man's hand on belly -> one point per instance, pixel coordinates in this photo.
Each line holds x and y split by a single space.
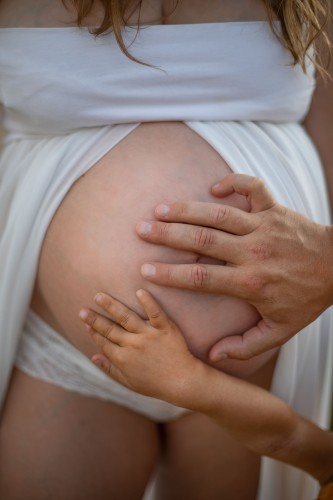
277 260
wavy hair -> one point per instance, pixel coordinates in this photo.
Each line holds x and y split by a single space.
303 22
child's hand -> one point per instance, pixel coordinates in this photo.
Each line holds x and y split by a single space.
148 357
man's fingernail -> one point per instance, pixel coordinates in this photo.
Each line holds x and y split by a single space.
144 228
148 270
98 362
162 210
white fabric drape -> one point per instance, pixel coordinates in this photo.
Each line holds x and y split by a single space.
35 175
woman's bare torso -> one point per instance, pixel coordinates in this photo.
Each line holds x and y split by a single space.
91 244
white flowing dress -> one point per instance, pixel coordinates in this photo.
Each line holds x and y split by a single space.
68 98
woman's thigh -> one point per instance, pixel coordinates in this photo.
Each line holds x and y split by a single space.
202 460
57 444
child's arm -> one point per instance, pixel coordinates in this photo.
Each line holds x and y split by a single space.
152 358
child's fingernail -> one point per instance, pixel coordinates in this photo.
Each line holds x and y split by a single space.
83 314
148 270
139 293
216 186
98 298
98 362
144 228
162 210
220 356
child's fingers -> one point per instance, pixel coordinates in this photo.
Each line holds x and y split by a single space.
103 362
105 327
121 314
156 315
107 365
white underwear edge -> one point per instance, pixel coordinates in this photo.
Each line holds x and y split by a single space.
45 355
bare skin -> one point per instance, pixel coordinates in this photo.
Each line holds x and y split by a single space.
296 255
93 206
87 249
52 446
34 449
232 236
43 13
153 358
91 243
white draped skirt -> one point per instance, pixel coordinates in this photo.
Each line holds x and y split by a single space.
35 175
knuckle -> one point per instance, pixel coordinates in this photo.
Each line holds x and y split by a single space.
269 299
163 231
198 276
169 275
108 331
124 319
92 319
99 339
245 356
107 304
203 238
253 284
180 209
155 314
256 184
220 213
260 250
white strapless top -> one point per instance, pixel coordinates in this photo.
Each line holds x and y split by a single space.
57 80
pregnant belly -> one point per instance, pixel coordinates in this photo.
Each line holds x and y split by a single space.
91 244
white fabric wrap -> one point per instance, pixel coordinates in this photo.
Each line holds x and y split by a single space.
282 155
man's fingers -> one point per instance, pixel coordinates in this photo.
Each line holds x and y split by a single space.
258 339
215 215
199 240
199 277
257 194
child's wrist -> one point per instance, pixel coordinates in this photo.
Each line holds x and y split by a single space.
326 492
193 391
